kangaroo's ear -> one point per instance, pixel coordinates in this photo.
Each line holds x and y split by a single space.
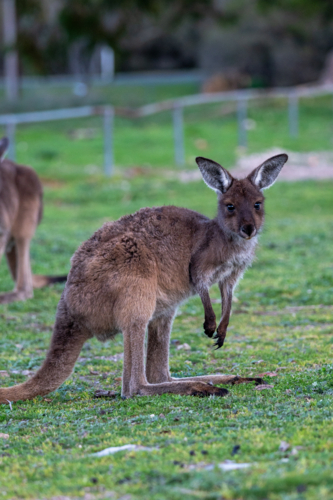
4 143
266 174
215 176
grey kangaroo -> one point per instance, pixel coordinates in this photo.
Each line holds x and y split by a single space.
21 209
132 274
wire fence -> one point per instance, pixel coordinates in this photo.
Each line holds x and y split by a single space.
176 107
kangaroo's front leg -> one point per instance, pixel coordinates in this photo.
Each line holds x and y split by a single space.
199 281
226 289
210 318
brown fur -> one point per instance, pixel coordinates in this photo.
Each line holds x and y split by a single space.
21 209
132 274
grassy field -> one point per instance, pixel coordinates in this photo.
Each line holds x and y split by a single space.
73 149
282 324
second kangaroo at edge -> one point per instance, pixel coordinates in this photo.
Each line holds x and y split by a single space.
21 210
132 274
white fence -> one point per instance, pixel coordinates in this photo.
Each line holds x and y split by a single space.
176 106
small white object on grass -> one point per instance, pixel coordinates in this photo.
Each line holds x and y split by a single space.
231 465
284 446
125 447
264 387
185 346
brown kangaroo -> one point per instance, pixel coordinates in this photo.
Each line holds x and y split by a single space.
132 274
21 209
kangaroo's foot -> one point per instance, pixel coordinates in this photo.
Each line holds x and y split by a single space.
181 388
222 379
100 393
208 390
6 298
247 380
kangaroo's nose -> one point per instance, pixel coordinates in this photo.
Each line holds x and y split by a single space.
247 231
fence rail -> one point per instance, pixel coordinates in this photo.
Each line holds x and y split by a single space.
135 78
176 106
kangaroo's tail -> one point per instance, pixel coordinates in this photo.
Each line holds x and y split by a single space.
39 280
66 343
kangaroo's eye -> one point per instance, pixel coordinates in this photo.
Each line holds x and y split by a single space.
257 205
230 207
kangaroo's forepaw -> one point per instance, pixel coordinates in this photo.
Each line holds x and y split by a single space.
219 341
209 328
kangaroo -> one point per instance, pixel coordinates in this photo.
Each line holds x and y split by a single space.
21 209
132 274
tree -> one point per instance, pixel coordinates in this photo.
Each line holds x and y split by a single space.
128 25
10 56
323 9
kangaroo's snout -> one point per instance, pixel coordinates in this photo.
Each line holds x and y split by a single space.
247 231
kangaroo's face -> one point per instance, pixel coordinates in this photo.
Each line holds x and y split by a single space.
241 202
241 209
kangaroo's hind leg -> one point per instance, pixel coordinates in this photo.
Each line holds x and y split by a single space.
222 379
24 275
157 362
134 374
11 258
8 296
22 231
3 243
135 311
20 265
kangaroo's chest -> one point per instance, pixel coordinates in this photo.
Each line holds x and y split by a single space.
234 265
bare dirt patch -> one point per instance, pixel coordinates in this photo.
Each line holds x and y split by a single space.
300 166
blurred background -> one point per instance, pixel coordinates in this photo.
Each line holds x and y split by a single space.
249 43
268 63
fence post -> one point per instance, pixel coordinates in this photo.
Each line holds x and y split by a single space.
10 132
11 69
178 133
108 118
293 114
241 117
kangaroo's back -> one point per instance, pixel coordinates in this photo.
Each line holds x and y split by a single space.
153 245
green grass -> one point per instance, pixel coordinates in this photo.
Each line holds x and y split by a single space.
282 322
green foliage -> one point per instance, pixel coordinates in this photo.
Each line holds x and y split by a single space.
44 40
303 8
